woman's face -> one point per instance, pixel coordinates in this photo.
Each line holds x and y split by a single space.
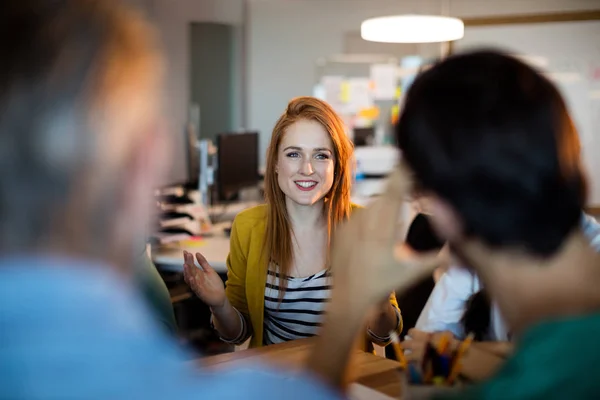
305 162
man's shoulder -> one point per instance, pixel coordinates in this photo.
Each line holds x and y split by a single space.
548 357
107 345
543 337
264 383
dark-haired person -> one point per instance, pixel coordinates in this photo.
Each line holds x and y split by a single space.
489 140
460 304
445 309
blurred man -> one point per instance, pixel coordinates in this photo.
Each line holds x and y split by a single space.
82 146
491 142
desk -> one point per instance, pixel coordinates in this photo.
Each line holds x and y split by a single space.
375 372
227 212
214 248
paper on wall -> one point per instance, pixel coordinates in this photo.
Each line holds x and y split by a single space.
331 88
345 92
385 79
359 94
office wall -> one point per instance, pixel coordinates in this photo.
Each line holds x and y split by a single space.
285 39
172 19
569 51
212 76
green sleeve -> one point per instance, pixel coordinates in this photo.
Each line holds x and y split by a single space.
155 292
472 393
555 360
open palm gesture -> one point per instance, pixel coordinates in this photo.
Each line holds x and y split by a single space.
205 281
365 266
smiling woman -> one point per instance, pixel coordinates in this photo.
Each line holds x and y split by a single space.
278 267
305 163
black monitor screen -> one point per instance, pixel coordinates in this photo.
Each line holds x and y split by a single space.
364 136
237 162
193 162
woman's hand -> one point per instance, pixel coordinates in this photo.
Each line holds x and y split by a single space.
417 344
205 282
383 319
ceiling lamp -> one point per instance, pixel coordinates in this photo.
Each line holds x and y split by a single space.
412 29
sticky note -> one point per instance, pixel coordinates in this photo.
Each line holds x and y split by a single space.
345 92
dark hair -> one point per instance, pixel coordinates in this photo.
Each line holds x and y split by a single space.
493 137
477 318
421 237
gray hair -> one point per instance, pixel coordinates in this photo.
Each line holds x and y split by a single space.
52 58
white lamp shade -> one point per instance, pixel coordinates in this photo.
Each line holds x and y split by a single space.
412 29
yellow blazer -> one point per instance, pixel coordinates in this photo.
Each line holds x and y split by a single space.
247 272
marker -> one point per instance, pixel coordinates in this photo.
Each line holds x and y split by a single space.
413 374
398 350
462 349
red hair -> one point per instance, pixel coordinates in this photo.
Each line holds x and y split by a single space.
278 236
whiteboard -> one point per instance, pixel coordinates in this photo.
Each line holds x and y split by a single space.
569 53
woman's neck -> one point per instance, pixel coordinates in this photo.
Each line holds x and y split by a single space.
305 217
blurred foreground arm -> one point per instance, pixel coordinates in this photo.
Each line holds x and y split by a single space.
365 271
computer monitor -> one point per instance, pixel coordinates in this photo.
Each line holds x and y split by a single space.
237 158
192 158
364 136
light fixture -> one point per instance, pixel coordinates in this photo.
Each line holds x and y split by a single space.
412 29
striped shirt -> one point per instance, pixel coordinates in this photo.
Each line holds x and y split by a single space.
300 312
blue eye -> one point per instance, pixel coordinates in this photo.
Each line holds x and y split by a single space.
322 156
293 155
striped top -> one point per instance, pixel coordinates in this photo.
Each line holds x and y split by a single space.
300 312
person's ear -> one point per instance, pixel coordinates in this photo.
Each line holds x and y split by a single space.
445 220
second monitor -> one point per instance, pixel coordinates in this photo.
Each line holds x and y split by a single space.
237 158
364 136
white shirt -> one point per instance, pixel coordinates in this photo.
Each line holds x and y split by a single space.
447 303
